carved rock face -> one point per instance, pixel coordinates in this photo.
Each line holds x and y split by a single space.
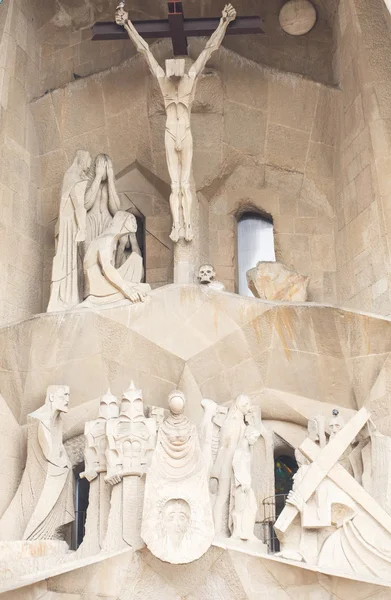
206 274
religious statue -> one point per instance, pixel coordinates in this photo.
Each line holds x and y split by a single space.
43 501
72 229
243 510
130 442
316 430
101 198
103 282
177 524
178 90
95 472
232 431
207 278
335 519
54 508
336 423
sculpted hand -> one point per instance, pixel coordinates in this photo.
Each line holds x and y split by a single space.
295 499
81 236
113 479
89 475
121 16
229 13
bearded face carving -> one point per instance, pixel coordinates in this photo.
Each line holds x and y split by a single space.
206 274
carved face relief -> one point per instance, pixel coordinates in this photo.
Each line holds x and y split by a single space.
335 425
176 517
206 274
244 404
60 399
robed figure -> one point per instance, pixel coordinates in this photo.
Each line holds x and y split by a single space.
177 523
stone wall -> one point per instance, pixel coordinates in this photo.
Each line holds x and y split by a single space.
277 146
67 50
20 231
260 137
363 199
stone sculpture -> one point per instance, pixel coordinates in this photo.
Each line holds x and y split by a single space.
177 524
130 439
43 502
316 430
54 508
101 198
64 291
178 90
275 281
335 424
263 478
232 431
347 527
243 510
95 472
104 283
207 277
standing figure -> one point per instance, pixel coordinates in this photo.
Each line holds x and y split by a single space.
336 423
95 471
54 508
101 199
43 501
177 524
64 290
178 90
232 432
130 440
244 507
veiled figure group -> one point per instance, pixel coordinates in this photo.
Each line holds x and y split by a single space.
89 202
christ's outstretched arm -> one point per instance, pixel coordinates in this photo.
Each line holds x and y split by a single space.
214 43
122 18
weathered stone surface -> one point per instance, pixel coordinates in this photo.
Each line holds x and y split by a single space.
275 281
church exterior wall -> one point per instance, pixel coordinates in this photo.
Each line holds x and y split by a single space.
20 225
261 137
363 158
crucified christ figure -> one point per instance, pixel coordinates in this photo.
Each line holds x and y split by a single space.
178 89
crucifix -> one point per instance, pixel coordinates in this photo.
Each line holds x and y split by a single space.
176 27
178 90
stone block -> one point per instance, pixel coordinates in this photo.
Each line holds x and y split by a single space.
245 83
286 148
326 119
322 252
320 161
275 281
292 102
45 124
79 107
239 121
53 167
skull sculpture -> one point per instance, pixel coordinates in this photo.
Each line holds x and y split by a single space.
206 274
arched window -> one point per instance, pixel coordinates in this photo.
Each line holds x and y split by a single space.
255 243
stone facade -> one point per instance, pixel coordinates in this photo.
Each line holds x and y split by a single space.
286 169
21 235
363 159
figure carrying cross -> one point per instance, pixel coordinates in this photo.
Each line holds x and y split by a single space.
178 90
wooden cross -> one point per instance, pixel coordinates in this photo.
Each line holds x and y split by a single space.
176 27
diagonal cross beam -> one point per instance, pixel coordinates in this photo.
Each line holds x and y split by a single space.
177 28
